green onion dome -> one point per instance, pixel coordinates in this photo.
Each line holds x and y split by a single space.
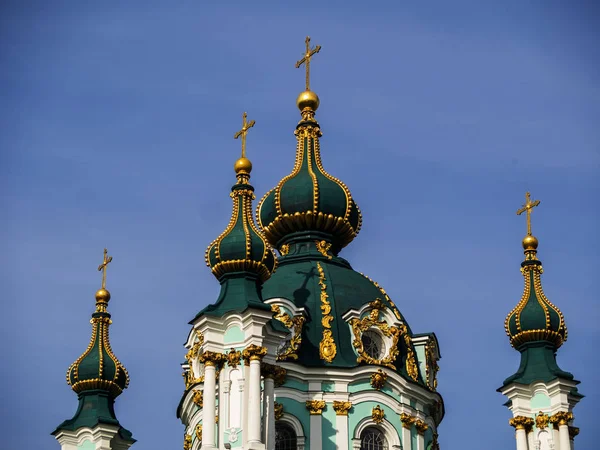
98 368
535 318
309 201
241 247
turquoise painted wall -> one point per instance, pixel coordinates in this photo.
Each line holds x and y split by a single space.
233 335
299 411
295 384
540 401
328 427
365 409
87 445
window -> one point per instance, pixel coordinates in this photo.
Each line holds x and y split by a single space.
285 437
373 344
372 439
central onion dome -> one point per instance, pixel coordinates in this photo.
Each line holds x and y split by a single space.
241 247
98 368
309 202
534 318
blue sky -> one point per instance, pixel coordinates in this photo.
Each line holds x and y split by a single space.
117 125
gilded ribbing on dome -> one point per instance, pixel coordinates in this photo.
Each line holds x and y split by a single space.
241 247
98 367
534 318
309 199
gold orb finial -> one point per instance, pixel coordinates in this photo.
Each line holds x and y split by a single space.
307 100
530 243
102 295
243 166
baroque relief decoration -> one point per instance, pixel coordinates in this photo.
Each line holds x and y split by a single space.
278 408
315 407
198 432
378 379
187 441
198 398
431 366
407 420
541 420
190 377
233 358
341 408
561 418
421 426
521 423
377 414
372 320
327 347
295 325
323 248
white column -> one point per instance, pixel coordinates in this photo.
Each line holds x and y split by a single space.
254 402
208 412
420 441
530 440
341 431
223 406
555 437
563 433
316 432
269 412
407 423
521 437
244 383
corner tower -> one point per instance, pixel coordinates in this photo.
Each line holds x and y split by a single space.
541 395
356 373
98 378
230 370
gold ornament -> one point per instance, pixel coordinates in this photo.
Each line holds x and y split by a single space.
280 374
187 441
284 249
521 423
573 431
308 54
431 365
199 432
315 407
541 420
341 408
323 248
378 414
561 418
378 379
421 426
327 347
254 353
407 420
278 408
233 358
198 398
212 359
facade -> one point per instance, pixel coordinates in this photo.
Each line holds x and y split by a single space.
300 351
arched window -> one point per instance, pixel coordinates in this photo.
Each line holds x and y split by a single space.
372 439
373 344
285 437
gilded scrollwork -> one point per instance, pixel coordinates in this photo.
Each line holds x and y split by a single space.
323 248
198 398
295 324
541 420
327 347
233 358
373 320
187 441
421 426
278 408
377 414
431 366
378 379
407 420
411 361
190 377
284 249
198 432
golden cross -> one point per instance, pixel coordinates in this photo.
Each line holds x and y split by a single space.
243 132
102 267
527 207
306 60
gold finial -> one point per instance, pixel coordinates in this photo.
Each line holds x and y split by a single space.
527 207
102 267
243 166
306 60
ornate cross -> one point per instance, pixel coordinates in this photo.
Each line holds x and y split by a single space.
102 267
243 132
306 60
527 207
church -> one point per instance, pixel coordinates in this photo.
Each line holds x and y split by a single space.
300 351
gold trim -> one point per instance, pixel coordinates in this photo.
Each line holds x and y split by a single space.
315 407
421 426
278 409
295 325
254 353
541 420
187 441
431 365
372 321
327 347
341 408
284 249
407 420
233 358
323 248
521 423
213 359
385 296
198 398
198 432
561 418
378 379
377 414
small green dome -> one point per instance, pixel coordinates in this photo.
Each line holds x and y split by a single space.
535 318
241 247
98 368
309 200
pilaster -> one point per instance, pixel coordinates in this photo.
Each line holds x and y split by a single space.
407 424
341 423
315 408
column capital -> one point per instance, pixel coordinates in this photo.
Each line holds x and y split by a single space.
341 408
212 358
561 418
278 410
422 427
521 423
573 431
407 420
315 407
254 353
268 370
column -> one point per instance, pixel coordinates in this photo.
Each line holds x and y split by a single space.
244 388
223 405
561 421
573 431
315 408
521 424
407 423
254 355
210 360
421 429
268 371
341 424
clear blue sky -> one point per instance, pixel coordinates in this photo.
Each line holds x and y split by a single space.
117 125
